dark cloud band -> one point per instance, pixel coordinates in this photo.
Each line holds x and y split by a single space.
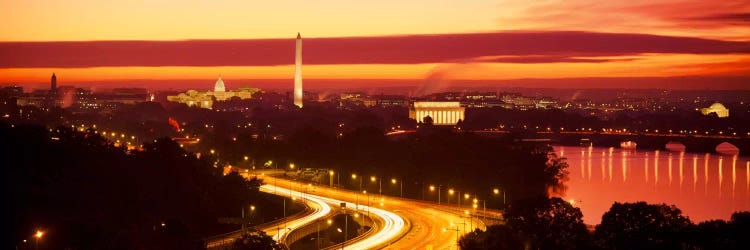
522 47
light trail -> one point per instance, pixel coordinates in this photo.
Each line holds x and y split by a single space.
393 225
321 210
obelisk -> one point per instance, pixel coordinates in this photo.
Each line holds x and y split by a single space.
298 73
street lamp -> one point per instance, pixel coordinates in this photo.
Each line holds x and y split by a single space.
330 178
354 177
317 239
432 188
401 186
470 216
380 184
453 229
450 193
496 191
37 236
484 207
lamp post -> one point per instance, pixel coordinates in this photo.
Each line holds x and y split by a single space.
401 186
317 239
453 229
380 184
330 178
356 204
432 189
450 193
368 205
496 191
484 207
37 236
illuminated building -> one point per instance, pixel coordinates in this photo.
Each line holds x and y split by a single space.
298 72
206 99
717 108
442 113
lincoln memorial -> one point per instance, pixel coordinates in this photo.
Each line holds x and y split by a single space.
442 113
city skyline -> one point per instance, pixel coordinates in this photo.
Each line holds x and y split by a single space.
641 45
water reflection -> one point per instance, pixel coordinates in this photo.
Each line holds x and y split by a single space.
721 173
695 172
682 159
640 183
670 169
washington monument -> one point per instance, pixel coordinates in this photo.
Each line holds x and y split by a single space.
298 73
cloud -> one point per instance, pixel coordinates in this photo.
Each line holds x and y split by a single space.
522 47
709 19
551 59
728 18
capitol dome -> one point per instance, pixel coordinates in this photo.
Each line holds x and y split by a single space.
219 86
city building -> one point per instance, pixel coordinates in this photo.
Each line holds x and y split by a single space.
298 72
442 113
716 108
42 98
206 99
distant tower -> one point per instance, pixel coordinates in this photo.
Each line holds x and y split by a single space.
53 88
298 73
51 100
219 86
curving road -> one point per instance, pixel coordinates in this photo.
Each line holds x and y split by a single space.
280 230
390 226
406 224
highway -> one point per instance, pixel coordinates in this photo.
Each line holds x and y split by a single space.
279 230
406 224
316 208
391 226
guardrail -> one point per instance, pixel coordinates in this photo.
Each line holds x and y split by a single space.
364 235
216 241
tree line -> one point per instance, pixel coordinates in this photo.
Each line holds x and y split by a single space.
551 223
85 193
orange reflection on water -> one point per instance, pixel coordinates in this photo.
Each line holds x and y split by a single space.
721 173
602 166
645 163
670 169
734 173
656 167
583 172
705 172
624 166
695 172
591 149
682 158
609 160
710 203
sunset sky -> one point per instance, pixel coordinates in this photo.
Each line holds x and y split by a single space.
677 44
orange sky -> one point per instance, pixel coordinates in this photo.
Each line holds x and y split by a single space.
83 20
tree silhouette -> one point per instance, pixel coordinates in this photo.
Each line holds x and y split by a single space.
548 223
255 240
427 121
497 237
642 226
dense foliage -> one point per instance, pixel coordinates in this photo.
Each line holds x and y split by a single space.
88 194
551 223
642 226
255 240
